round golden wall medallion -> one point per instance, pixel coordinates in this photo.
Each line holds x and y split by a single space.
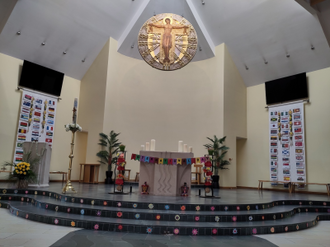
167 41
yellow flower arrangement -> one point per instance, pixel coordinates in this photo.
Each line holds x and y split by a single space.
22 170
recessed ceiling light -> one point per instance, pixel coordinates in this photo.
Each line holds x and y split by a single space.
312 47
246 67
287 55
18 33
203 2
83 60
64 52
43 43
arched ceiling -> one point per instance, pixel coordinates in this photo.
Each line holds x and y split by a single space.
267 39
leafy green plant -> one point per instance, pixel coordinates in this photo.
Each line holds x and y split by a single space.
110 145
219 153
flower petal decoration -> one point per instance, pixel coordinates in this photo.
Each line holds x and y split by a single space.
149 230
177 217
217 218
257 207
196 218
272 229
248 208
158 217
68 210
286 228
81 200
151 206
235 231
56 208
105 203
194 232
26 216
198 208
73 223
98 213
92 202
226 208
214 231
137 216
82 211
274 217
96 226
56 221
167 207
234 218
238 208
212 208
119 214
15 191
118 204
176 231
297 227
135 205
72 199
250 218
254 231
22 199
120 227
183 207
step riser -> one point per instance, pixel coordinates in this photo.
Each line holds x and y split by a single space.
163 229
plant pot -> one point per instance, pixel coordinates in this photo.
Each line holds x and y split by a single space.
122 149
108 179
215 181
22 183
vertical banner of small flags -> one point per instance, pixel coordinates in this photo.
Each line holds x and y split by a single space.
36 121
287 145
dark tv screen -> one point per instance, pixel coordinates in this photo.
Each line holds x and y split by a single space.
41 79
286 89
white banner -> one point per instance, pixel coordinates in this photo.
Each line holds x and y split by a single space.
36 120
287 143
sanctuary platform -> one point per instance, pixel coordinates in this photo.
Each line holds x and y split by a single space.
238 212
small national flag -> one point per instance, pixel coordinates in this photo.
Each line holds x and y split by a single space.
35 133
296 117
28 97
19 152
286 178
37 113
51 102
22 131
285 126
298 138
51 128
273 144
286 171
273 119
18 159
50 115
273 163
273 126
39 101
285 145
273 157
300 171
273 138
21 137
285 159
49 133
50 122
299 157
298 144
36 126
298 130
34 139
36 120
38 107
286 152
284 113
26 103
51 109
299 164
23 124
273 169
296 110
284 120
297 123
24 117
25 110
285 133
273 150
299 151
273 131
49 140
285 139
301 179
19 144
286 164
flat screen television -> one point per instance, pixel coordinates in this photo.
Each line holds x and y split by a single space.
286 89
40 78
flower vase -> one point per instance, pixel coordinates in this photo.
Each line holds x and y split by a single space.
22 183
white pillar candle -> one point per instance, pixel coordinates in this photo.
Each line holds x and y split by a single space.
180 148
185 148
153 145
142 147
147 146
75 105
190 149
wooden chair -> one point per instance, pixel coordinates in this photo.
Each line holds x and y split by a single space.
197 173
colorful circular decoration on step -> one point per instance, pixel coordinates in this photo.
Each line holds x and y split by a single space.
137 216
27 199
316 210
324 203
234 231
306 209
68 210
268 206
46 206
248 208
298 210
22 199
56 208
281 215
82 211
283 203
43 193
135 205
254 231
50 194
198 208
286 228
328 210
226 208
26 216
297 227
262 217
96 226
73 223
274 217
183 207
176 231
313 223
177 217
56 221
81 200
151 206
105 203
212 208
149 230
214 231
98 213
118 204
238 208
196 218
26 192
250 218
36 192
9 198
263 206
158 217
257 207
300 203
310 203
119 214
72 199
120 227
167 207
234 218
17 213
92 202
65 199
272 229
307 225
0 203
318 218
15 191
194 232
217 218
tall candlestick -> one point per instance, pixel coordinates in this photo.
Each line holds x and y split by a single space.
153 145
147 146
142 147
185 148
180 146
190 149
74 116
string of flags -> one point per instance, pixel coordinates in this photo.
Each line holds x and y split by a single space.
164 161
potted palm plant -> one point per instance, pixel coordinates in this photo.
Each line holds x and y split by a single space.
217 158
110 146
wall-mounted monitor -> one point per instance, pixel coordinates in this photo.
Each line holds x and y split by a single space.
41 79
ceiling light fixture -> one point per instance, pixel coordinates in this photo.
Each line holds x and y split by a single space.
132 46
200 48
312 47
246 67
287 55
64 52
18 33
265 61
154 13
83 60
203 2
43 43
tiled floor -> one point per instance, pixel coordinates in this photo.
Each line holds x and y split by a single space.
15 231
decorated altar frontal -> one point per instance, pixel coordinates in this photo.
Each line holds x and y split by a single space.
165 180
